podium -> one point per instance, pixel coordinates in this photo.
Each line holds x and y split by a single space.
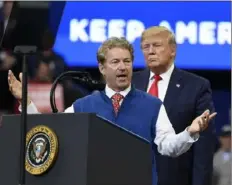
91 151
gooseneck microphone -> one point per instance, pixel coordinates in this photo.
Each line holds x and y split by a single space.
81 77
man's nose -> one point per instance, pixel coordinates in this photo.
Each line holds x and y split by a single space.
151 49
122 65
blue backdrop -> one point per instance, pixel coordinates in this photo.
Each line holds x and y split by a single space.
202 29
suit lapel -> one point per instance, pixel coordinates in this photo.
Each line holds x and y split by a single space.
173 92
144 80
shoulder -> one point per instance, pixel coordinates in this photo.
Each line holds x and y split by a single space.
137 73
87 99
196 79
141 73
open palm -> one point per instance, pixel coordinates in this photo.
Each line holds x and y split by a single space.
15 86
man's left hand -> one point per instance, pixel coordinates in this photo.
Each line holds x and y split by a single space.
201 122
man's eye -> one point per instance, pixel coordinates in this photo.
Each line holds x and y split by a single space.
145 46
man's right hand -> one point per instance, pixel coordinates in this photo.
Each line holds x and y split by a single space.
15 86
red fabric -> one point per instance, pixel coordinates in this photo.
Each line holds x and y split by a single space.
16 107
116 98
154 87
39 93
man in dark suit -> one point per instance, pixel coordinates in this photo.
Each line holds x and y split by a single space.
185 96
8 60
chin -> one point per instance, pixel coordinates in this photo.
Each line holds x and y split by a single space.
123 86
153 64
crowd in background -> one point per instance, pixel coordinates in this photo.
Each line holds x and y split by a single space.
47 65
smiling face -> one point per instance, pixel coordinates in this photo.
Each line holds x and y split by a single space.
116 63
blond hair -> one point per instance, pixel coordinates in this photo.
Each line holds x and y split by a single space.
113 42
158 30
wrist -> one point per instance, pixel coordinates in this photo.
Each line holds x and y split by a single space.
28 101
190 131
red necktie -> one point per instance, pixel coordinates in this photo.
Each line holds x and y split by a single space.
154 87
116 98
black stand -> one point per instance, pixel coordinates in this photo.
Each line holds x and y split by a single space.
24 51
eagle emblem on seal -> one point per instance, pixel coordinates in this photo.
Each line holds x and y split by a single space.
39 150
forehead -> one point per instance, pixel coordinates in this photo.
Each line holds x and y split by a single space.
153 37
117 53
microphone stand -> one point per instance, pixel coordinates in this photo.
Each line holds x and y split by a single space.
57 80
24 51
82 77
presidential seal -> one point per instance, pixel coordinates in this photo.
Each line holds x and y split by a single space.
41 151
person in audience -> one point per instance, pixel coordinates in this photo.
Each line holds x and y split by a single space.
184 96
122 104
8 60
223 158
47 65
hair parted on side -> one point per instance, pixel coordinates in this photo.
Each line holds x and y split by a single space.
156 30
113 42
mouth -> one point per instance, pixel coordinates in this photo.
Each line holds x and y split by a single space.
152 59
122 77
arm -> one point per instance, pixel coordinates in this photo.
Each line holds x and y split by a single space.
15 86
168 142
31 109
205 147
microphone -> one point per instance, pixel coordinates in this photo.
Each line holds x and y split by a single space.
90 83
82 77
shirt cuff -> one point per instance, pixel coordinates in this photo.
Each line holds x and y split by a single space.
191 138
31 108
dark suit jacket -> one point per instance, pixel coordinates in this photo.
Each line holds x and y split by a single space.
6 99
183 104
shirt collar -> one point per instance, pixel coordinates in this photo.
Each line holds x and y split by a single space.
165 76
110 92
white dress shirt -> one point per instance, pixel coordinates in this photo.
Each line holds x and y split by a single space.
168 142
162 84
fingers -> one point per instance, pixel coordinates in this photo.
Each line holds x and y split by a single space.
201 123
12 80
205 113
212 115
204 119
11 76
21 77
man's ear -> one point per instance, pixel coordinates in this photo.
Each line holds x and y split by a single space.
101 69
173 50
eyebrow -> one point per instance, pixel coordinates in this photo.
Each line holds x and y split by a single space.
120 59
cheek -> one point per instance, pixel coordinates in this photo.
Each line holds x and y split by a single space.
130 68
145 55
161 52
110 73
